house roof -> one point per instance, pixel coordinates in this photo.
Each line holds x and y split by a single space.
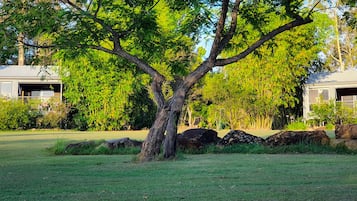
29 72
348 76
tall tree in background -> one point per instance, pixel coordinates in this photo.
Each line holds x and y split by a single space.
16 32
342 43
117 27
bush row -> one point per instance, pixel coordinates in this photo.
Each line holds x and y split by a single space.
16 114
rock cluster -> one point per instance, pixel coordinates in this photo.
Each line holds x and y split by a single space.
239 137
199 137
122 143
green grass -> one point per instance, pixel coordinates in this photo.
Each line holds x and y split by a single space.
29 172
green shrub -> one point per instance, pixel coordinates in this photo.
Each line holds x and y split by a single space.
58 148
297 125
328 113
54 117
330 126
14 115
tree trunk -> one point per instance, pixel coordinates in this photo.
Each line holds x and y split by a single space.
21 50
338 45
152 144
171 136
171 130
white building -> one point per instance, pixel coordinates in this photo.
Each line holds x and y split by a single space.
336 86
30 82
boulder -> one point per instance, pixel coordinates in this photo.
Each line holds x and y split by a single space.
297 137
239 137
350 144
79 145
197 138
348 131
122 143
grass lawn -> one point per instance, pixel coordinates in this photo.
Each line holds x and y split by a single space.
29 172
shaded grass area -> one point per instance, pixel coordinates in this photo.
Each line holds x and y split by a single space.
197 177
29 172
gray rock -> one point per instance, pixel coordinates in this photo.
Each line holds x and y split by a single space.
348 131
197 138
122 143
239 137
297 137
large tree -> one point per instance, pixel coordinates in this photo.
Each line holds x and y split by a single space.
115 27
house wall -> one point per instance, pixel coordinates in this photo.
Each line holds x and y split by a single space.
30 75
320 91
332 95
15 83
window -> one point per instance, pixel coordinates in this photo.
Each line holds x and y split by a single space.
5 89
348 101
318 95
313 96
43 95
324 95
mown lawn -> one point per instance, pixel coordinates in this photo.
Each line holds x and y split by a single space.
29 172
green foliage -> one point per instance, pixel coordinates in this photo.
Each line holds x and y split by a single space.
14 114
296 125
330 127
250 92
330 112
58 148
106 98
55 117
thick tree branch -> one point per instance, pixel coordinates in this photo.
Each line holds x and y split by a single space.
262 40
232 29
219 31
157 78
